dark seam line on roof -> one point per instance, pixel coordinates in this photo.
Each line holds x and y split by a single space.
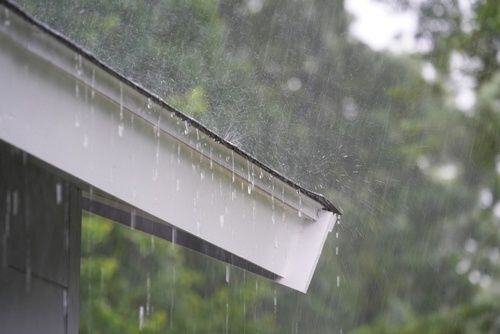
327 204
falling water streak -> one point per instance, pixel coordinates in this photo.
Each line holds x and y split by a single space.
174 236
15 202
92 84
6 21
336 251
228 273
338 281
28 270
227 318
121 128
157 160
300 203
149 103
133 216
7 229
275 302
141 318
121 101
59 193
172 298
65 302
85 140
221 221
210 157
336 235
232 161
148 294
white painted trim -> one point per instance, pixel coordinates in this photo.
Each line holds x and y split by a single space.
65 110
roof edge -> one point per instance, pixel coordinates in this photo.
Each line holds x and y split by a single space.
327 204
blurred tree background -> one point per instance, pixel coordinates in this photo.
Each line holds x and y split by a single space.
416 175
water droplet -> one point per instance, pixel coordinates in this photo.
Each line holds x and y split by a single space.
249 188
78 65
177 185
336 235
221 220
148 294
141 317
15 202
133 218
174 236
6 21
121 101
300 205
65 301
276 244
186 127
59 193
149 103
338 281
228 273
275 302
120 129
85 141
336 251
232 162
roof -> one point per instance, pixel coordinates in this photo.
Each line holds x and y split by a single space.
327 204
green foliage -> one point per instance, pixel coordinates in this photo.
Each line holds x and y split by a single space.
416 252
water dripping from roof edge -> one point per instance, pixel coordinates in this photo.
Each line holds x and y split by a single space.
141 318
59 193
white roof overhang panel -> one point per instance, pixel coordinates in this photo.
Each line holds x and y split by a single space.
73 114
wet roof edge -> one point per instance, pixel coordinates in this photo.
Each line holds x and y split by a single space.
327 204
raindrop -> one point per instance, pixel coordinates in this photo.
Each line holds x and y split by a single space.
338 281
6 21
148 294
85 141
228 273
227 317
174 236
59 193
133 218
336 235
336 251
276 244
15 202
294 84
177 185
28 271
221 220
232 160
186 128
77 90
300 203
275 302
92 84
78 65
121 101
120 129
249 189
149 104
198 226
65 301
141 317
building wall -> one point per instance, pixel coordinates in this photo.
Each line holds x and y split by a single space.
40 220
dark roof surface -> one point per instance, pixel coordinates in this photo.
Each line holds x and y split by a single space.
327 204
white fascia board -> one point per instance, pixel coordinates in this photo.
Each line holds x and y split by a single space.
67 111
